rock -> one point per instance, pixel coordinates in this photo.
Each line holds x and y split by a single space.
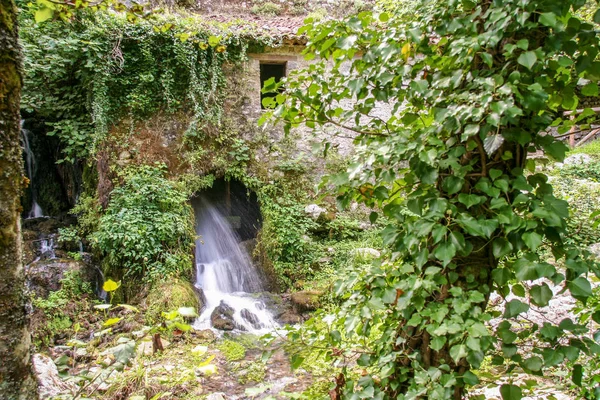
216 396
222 317
248 246
577 159
199 350
367 253
250 317
595 249
306 300
144 348
49 382
206 335
289 317
44 276
314 211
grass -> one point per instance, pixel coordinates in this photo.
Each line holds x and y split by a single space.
592 149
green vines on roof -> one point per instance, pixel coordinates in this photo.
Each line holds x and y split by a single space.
84 76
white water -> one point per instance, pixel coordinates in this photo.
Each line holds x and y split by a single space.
225 273
36 210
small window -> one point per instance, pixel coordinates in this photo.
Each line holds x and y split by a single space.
268 71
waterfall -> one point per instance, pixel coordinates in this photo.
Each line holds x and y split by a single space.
36 210
225 274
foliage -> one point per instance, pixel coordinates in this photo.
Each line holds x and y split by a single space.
592 149
62 307
147 230
589 171
170 295
233 351
470 86
267 8
84 75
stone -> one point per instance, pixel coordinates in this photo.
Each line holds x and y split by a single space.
306 300
199 350
367 253
206 335
216 396
289 317
222 317
251 318
578 159
44 276
50 383
144 348
314 211
595 249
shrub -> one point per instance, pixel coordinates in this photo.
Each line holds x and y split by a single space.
266 9
147 230
233 351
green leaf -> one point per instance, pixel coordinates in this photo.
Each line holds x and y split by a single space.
111 321
541 295
532 240
591 89
548 19
43 14
580 288
452 184
577 374
511 392
458 351
527 59
533 364
501 247
296 361
492 143
514 308
445 252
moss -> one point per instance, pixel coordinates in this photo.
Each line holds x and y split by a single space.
169 296
307 300
233 351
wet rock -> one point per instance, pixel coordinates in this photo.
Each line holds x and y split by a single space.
251 318
222 317
44 276
49 382
306 300
248 246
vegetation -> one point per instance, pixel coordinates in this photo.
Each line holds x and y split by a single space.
470 86
147 229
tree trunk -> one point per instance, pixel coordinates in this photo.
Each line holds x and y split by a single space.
16 377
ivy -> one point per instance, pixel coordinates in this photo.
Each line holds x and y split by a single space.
84 76
468 88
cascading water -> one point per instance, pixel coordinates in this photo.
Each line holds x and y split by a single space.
36 210
225 274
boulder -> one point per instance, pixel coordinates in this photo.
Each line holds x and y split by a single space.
289 317
50 383
306 300
314 211
222 317
251 318
44 276
577 159
206 335
172 295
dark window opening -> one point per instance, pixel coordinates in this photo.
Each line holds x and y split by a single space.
268 71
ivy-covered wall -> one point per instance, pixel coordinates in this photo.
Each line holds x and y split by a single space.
181 94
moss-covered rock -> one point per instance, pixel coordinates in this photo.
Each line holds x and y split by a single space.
169 296
306 300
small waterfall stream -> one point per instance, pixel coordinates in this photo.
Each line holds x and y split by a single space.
36 210
225 273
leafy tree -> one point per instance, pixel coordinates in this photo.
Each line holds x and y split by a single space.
471 88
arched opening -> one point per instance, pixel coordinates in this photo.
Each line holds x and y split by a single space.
227 217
